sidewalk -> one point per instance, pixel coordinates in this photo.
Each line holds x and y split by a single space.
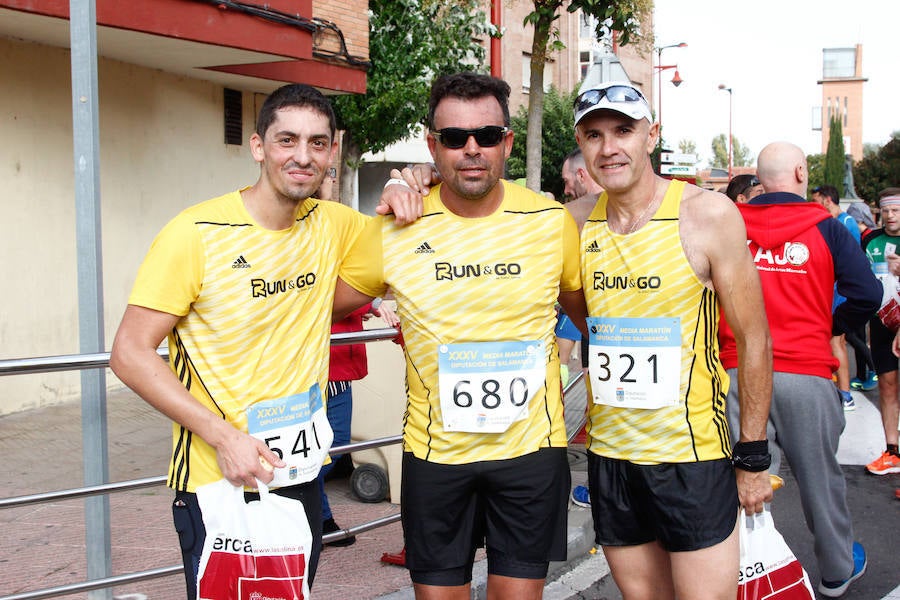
41 452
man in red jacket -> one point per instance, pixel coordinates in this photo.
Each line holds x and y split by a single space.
800 253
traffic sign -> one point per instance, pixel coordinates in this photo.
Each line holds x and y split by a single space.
678 170
677 158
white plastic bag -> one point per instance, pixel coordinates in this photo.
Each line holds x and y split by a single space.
889 313
258 549
769 570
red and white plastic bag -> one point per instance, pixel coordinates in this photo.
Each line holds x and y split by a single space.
768 569
257 549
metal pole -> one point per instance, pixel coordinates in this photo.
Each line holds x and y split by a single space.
730 139
85 138
659 91
496 49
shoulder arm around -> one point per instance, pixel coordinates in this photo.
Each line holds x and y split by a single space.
571 275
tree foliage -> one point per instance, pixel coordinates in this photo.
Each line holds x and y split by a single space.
815 166
740 154
834 154
622 16
556 140
410 42
879 170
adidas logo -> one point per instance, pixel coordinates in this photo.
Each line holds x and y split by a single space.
593 247
425 248
240 263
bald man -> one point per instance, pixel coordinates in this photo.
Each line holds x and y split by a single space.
800 253
581 190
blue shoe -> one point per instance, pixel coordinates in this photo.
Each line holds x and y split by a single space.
870 383
847 401
856 383
581 496
836 589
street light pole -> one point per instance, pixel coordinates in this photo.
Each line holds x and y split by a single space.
722 86
659 69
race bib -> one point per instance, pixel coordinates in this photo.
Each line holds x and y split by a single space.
635 362
486 386
296 429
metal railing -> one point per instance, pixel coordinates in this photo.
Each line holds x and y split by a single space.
74 362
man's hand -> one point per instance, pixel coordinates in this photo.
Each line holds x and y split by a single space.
405 201
754 489
893 262
243 459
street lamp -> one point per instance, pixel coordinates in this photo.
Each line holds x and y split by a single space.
722 86
675 80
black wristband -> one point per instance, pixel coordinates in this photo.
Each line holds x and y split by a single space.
752 456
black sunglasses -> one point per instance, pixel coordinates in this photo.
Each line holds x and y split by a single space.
614 93
754 181
455 137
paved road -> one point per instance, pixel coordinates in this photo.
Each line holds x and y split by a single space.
876 520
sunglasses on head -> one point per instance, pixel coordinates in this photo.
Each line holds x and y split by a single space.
754 181
455 137
614 93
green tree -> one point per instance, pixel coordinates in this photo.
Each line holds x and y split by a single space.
410 41
622 16
834 154
687 146
557 117
740 154
878 171
815 165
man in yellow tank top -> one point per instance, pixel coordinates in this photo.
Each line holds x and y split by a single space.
659 260
242 286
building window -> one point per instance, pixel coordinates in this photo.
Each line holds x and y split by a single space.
234 123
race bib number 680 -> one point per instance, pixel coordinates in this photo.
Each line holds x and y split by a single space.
486 386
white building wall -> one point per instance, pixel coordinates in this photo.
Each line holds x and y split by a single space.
161 149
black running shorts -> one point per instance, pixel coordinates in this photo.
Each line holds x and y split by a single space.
880 340
685 506
516 507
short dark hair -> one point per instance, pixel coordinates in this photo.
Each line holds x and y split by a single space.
294 94
828 191
468 86
740 184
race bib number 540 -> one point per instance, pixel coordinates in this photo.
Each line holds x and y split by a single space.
635 362
486 386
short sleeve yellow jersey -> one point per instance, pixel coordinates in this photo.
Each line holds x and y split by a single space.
646 275
255 308
467 280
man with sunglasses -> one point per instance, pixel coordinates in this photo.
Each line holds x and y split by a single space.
743 188
476 280
660 259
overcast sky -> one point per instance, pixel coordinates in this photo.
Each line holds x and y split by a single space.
770 53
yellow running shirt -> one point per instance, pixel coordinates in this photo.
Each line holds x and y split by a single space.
463 285
657 392
256 311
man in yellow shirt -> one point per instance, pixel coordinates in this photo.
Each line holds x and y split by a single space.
242 286
476 280
659 260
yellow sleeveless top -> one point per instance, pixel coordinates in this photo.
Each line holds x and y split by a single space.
644 275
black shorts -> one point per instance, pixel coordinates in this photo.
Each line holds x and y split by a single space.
192 532
880 340
686 506
517 507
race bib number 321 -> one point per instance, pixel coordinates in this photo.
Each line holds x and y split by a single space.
486 386
635 362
